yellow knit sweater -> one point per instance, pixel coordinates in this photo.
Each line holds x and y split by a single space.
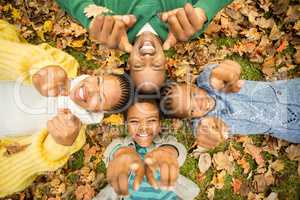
21 60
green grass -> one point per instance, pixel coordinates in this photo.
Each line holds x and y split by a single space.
190 168
101 168
76 160
250 70
226 41
81 58
73 178
226 192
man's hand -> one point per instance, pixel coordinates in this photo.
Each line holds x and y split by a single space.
125 160
51 81
64 128
183 23
226 77
111 31
163 159
211 131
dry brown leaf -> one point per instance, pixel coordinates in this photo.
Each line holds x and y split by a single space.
210 193
292 14
204 162
85 192
245 165
255 152
297 26
224 22
268 66
272 196
278 165
269 177
252 34
14 148
297 57
76 29
265 23
244 189
222 161
236 184
275 33
218 179
284 43
233 152
260 183
293 152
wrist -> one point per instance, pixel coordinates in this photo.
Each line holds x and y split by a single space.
169 149
124 151
201 14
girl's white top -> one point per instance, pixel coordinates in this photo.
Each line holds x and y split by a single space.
24 111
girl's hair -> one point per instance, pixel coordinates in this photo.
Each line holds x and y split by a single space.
166 99
127 91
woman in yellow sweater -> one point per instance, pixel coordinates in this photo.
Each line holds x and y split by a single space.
34 85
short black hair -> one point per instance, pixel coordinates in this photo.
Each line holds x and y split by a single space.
166 100
142 100
127 91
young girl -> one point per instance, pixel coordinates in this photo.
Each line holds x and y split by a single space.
133 162
34 86
222 104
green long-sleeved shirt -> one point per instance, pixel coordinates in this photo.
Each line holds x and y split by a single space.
145 10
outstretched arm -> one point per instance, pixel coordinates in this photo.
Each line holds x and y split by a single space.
211 8
48 151
77 9
191 20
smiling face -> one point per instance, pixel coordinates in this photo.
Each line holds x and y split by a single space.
186 101
147 63
98 93
143 122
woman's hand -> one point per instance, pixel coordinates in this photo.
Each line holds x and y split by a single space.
51 81
125 160
226 77
164 159
111 31
183 23
211 131
64 128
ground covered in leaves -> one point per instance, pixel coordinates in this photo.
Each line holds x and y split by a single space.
262 35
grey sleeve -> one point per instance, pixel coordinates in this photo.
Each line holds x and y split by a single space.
111 149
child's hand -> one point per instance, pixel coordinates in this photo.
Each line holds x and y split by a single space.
226 77
163 159
211 131
125 160
51 81
111 31
64 128
183 23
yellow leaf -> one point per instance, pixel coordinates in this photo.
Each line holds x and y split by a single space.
16 14
40 33
89 55
48 26
7 7
218 180
278 165
115 119
77 43
297 25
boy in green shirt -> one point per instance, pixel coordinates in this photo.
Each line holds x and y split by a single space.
153 25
